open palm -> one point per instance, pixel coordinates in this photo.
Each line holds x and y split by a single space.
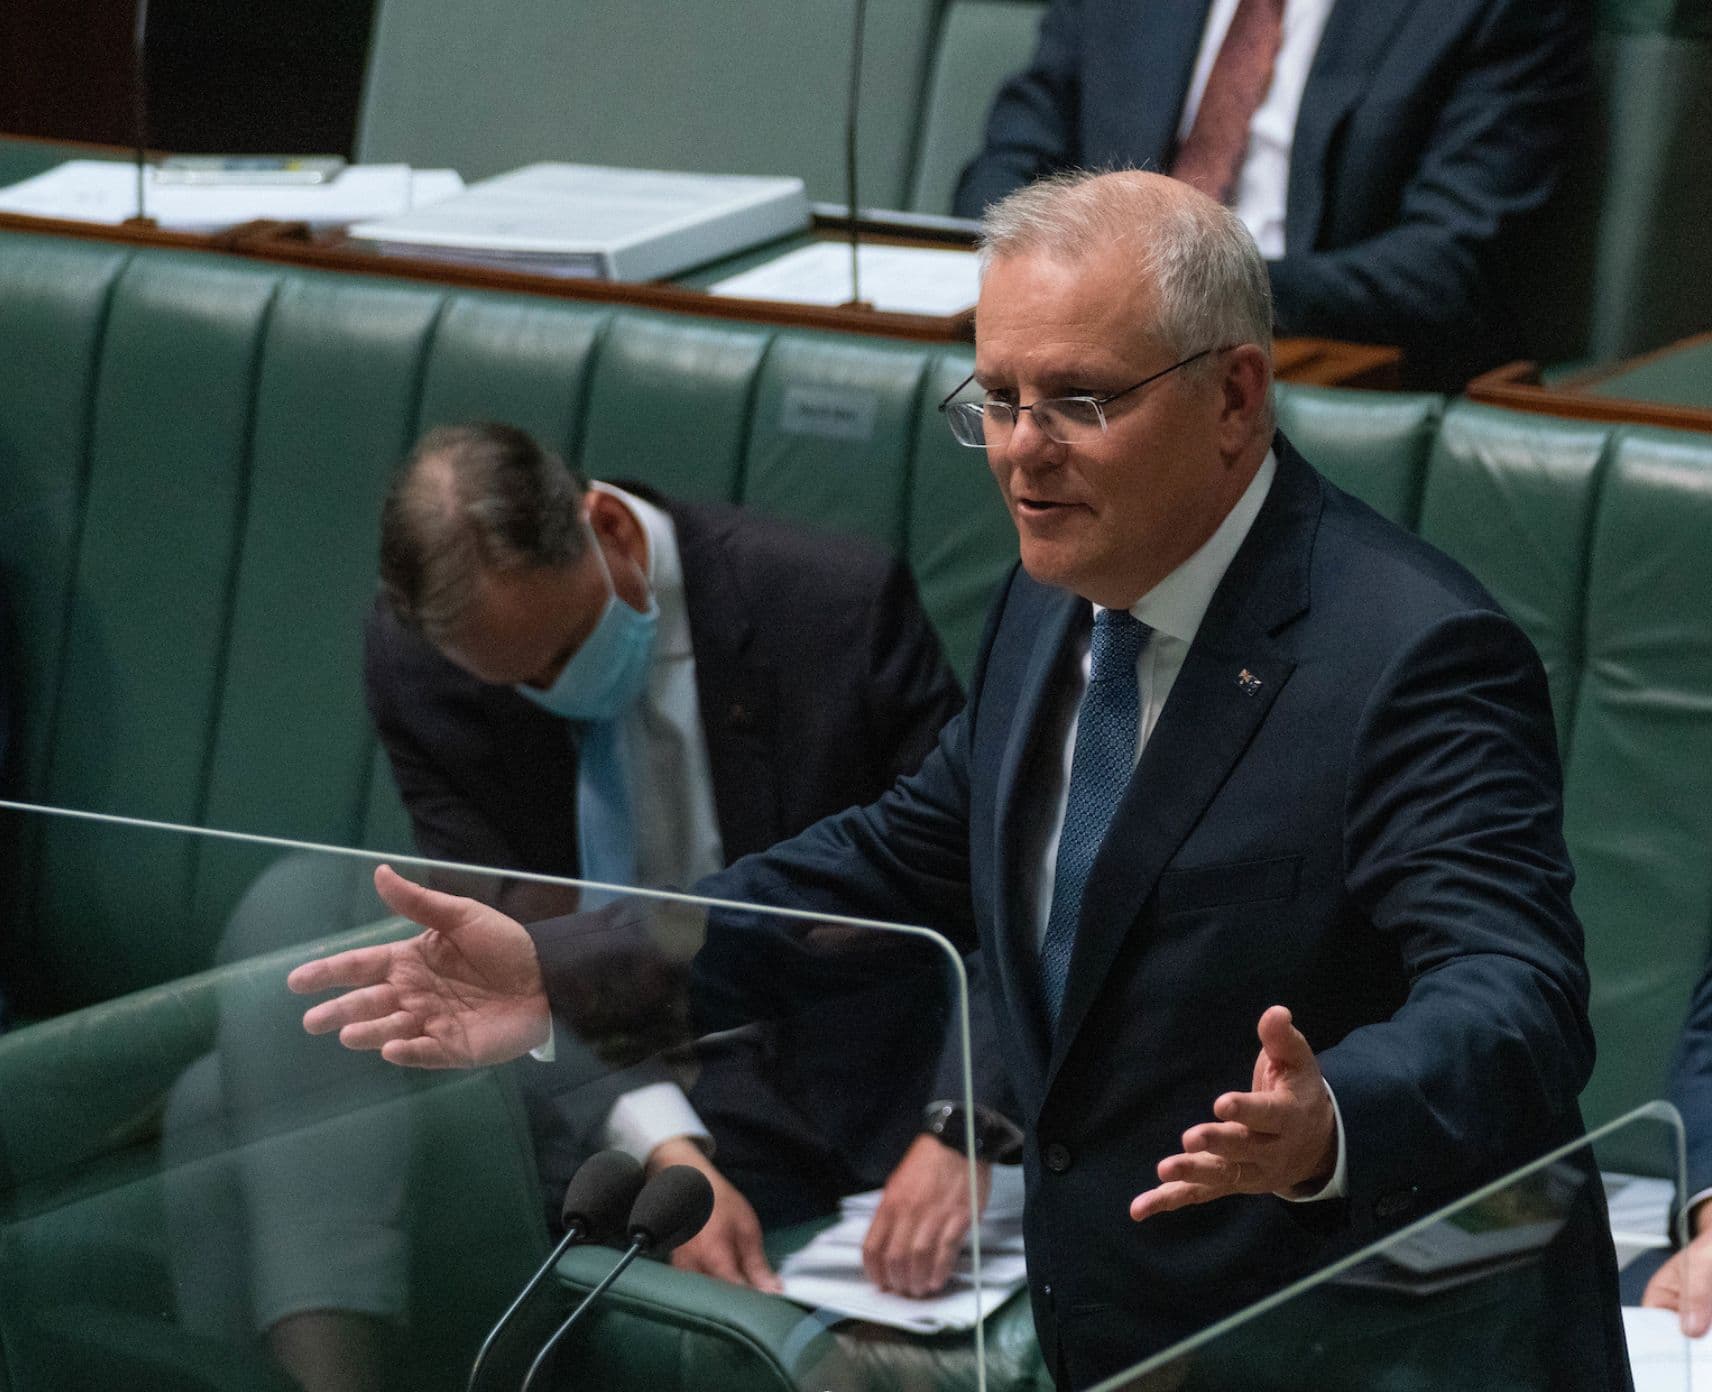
465 992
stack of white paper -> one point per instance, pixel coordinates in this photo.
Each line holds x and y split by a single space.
106 191
622 224
1661 1359
827 1274
899 280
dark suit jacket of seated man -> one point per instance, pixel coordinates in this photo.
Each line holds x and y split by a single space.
1430 139
819 681
1273 902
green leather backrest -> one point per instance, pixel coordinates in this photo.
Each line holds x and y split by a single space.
145 636
833 433
960 540
734 86
334 400
1512 497
1653 270
1372 444
1639 778
671 403
980 44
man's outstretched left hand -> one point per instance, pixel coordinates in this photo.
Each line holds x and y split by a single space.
1278 1138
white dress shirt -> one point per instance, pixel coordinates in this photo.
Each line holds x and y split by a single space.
1173 609
1263 182
671 792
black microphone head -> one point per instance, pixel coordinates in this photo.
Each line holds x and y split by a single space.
671 1209
599 1197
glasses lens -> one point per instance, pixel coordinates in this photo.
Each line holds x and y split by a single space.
1070 420
966 420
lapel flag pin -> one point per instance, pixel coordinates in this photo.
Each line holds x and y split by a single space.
1248 682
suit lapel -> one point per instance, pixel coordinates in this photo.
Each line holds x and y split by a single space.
1234 671
735 692
1066 617
1163 38
1356 37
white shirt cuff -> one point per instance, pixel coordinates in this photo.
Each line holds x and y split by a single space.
641 1120
545 1053
1338 1185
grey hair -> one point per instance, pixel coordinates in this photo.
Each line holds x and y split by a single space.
471 500
1212 282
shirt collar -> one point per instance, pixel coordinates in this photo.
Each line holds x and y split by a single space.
1178 603
663 568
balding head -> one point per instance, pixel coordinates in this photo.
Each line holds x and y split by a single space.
1211 283
473 501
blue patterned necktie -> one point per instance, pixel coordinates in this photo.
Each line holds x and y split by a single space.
1106 733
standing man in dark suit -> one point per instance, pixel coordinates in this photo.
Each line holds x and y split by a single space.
590 680
1391 157
1254 811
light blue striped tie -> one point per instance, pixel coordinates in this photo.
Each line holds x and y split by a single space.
1100 768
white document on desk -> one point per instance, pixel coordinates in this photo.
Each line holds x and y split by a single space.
105 191
1660 1357
895 279
827 1274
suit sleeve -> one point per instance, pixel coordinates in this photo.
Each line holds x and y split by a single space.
1691 1084
901 860
1032 128
1433 279
1453 847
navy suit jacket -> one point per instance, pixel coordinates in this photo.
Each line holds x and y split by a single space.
1691 1084
1369 834
820 680
1432 134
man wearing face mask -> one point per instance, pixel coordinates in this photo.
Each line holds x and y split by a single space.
594 681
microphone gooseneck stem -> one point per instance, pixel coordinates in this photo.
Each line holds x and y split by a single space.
140 100
589 1299
571 1235
850 144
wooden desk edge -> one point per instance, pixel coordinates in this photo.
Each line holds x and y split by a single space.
1516 387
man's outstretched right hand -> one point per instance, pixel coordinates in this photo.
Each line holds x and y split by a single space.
464 993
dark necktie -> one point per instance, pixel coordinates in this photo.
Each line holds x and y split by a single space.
1107 729
1211 154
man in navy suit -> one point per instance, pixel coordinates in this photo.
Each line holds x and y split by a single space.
1254 809
1392 157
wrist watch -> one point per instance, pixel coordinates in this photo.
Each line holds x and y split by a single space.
997 1137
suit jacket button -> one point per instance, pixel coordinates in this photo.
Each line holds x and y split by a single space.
1057 1158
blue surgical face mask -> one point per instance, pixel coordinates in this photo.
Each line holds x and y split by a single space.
603 677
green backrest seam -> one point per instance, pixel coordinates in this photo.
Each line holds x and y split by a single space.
234 565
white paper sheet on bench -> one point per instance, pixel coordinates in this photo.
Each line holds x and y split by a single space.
827 1273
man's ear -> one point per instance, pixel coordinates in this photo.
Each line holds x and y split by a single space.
615 525
1245 385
